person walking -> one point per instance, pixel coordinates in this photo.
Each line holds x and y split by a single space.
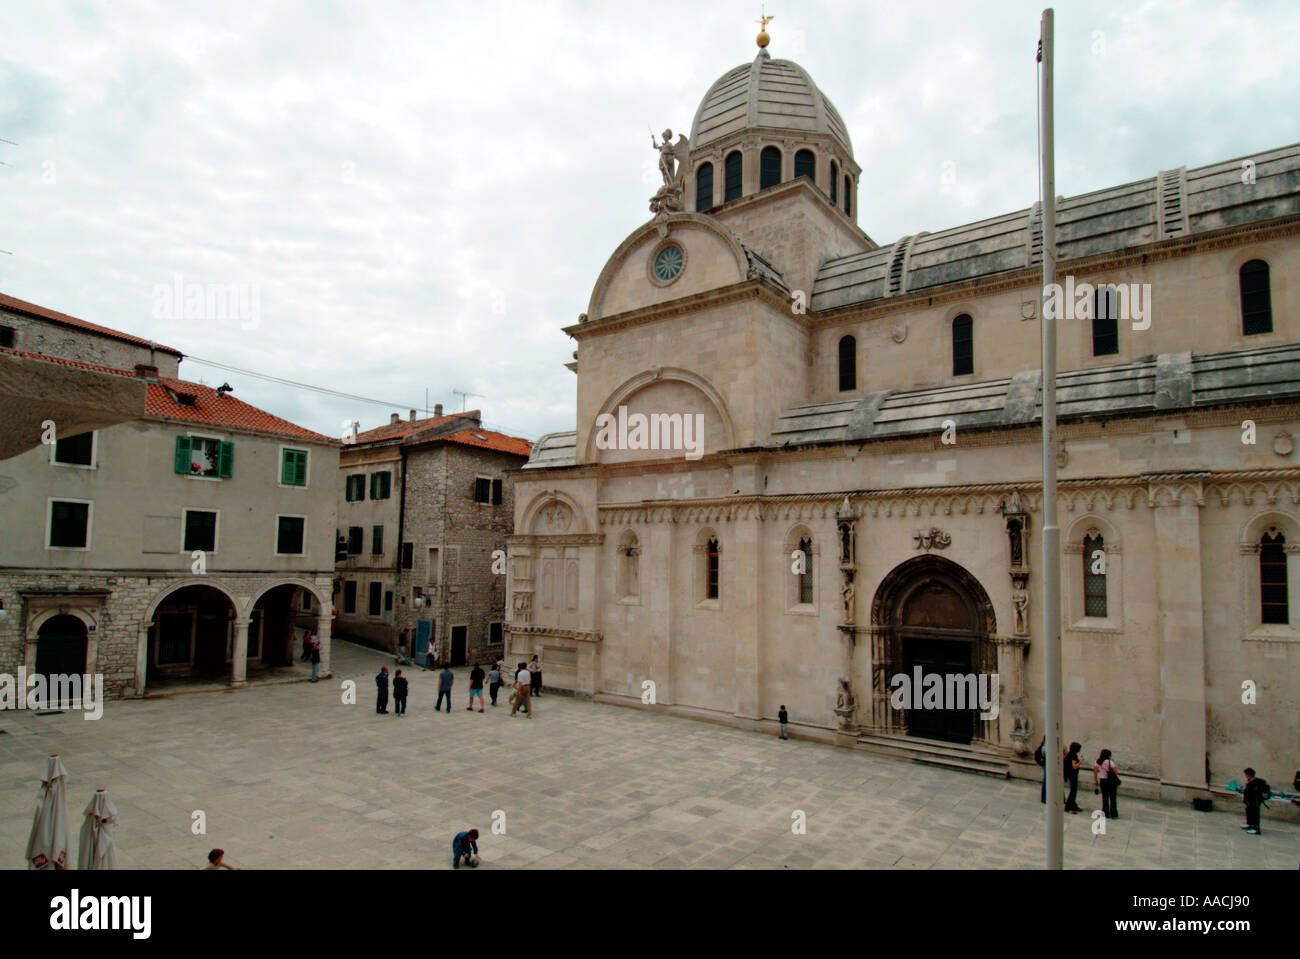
1040 757
428 656
445 680
494 681
783 718
217 861
535 676
465 846
381 683
399 694
315 660
1254 794
475 687
1072 777
1105 776
523 690
306 646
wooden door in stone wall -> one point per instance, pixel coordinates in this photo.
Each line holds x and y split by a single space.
938 634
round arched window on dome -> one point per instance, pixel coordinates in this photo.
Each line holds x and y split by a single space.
704 187
769 167
805 165
848 203
668 263
835 183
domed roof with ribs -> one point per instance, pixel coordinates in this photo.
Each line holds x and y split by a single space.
766 93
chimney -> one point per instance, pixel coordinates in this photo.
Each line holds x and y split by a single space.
412 416
437 409
145 371
394 418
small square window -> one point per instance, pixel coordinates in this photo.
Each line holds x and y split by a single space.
69 525
200 530
482 489
381 485
76 450
7 338
289 535
293 468
355 536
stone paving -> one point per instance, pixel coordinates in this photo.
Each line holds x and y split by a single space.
288 776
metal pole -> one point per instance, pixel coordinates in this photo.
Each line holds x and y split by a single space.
1055 752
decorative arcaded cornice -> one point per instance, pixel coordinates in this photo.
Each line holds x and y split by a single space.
1078 495
555 632
757 287
555 539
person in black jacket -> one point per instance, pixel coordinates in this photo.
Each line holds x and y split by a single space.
399 694
784 719
1256 792
381 683
1072 776
315 660
1040 757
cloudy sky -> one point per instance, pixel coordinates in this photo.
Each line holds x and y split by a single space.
421 195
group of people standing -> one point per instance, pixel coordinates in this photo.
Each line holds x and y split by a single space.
527 680
1105 777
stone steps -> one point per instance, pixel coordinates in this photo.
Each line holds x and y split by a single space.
936 753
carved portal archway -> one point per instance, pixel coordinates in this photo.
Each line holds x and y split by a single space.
931 612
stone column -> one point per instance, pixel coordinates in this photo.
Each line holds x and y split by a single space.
660 585
323 635
1181 644
239 654
142 660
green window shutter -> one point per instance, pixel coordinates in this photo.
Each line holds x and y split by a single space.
377 541
386 483
286 467
226 468
183 455
374 486
300 468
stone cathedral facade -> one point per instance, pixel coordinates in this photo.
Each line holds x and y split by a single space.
864 496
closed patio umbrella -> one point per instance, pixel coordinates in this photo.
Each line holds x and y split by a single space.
98 848
50 843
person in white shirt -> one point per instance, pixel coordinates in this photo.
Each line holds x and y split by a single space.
523 691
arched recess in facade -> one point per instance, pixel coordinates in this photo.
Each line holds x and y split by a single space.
928 599
631 386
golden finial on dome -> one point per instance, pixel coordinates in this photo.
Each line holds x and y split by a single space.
763 38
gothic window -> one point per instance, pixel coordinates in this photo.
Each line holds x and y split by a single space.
704 187
805 165
848 363
963 346
835 183
1105 321
1272 578
734 183
848 185
806 577
1094 575
1256 305
713 569
769 167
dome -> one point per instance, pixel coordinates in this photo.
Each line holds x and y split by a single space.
768 93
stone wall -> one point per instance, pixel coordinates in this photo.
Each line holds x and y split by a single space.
36 335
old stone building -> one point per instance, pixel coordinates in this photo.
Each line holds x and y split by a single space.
806 464
185 544
423 504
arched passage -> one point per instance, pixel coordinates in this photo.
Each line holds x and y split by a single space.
931 614
190 636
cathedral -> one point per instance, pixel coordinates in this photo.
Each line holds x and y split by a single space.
807 466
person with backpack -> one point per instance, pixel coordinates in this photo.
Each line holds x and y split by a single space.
1255 794
1105 776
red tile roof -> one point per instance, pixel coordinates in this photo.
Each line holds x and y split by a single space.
485 439
392 431
209 408
22 306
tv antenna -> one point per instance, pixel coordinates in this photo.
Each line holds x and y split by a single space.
465 396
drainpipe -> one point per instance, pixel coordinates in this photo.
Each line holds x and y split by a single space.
401 526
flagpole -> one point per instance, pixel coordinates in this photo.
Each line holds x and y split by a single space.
1053 769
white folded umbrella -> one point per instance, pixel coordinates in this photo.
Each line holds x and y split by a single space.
98 848
49 845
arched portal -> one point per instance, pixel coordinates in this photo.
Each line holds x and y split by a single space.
931 614
190 636
61 647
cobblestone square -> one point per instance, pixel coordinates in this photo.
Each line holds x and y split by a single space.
289 777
